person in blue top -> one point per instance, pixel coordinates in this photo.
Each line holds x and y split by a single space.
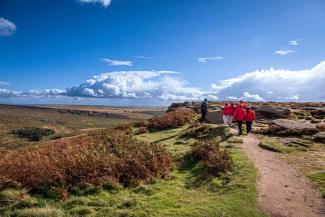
204 110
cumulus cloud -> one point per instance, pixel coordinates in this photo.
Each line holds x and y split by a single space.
248 97
209 59
7 28
161 85
252 97
117 62
137 84
276 85
283 52
105 3
293 43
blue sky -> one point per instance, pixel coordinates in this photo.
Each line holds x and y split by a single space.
211 49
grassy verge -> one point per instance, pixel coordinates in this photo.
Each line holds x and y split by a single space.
187 192
275 146
319 179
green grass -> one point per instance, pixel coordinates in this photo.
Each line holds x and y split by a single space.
187 192
273 145
319 179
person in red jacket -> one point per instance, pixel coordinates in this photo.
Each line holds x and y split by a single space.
241 102
239 116
249 118
232 109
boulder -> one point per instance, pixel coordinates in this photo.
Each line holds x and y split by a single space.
318 113
271 112
215 117
319 137
287 127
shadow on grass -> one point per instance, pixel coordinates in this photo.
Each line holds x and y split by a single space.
165 138
198 175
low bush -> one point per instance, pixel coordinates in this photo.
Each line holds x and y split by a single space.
33 133
172 119
320 127
124 127
214 159
142 130
93 159
140 124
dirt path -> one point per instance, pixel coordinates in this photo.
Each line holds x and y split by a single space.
283 191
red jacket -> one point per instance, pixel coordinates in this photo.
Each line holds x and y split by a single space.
250 116
232 110
226 110
239 114
244 105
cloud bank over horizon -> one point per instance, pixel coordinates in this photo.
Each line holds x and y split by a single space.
260 85
276 85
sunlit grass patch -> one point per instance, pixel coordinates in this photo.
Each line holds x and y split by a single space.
273 145
319 178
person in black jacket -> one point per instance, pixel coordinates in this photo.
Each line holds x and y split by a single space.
204 110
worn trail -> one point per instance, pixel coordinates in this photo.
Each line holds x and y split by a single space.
283 191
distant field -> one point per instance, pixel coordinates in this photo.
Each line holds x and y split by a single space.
65 120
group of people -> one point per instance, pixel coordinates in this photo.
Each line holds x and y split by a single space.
240 113
233 113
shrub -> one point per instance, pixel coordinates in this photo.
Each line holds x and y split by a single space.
320 127
91 159
172 119
213 158
140 124
124 127
142 130
33 133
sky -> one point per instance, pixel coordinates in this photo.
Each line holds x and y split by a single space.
145 52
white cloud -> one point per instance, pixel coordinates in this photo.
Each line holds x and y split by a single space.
276 84
247 96
117 62
252 97
283 52
143 57
6 93
209 59
293 43
137 84
105 3
5 83
7 28
292 98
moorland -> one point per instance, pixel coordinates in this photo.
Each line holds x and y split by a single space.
110 161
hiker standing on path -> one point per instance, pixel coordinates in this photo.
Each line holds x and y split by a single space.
249 118
244 105
226 116
239 116
204 110
232 109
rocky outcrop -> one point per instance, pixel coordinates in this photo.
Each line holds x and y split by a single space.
319 137
318 113
215 117
271 112
285 127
